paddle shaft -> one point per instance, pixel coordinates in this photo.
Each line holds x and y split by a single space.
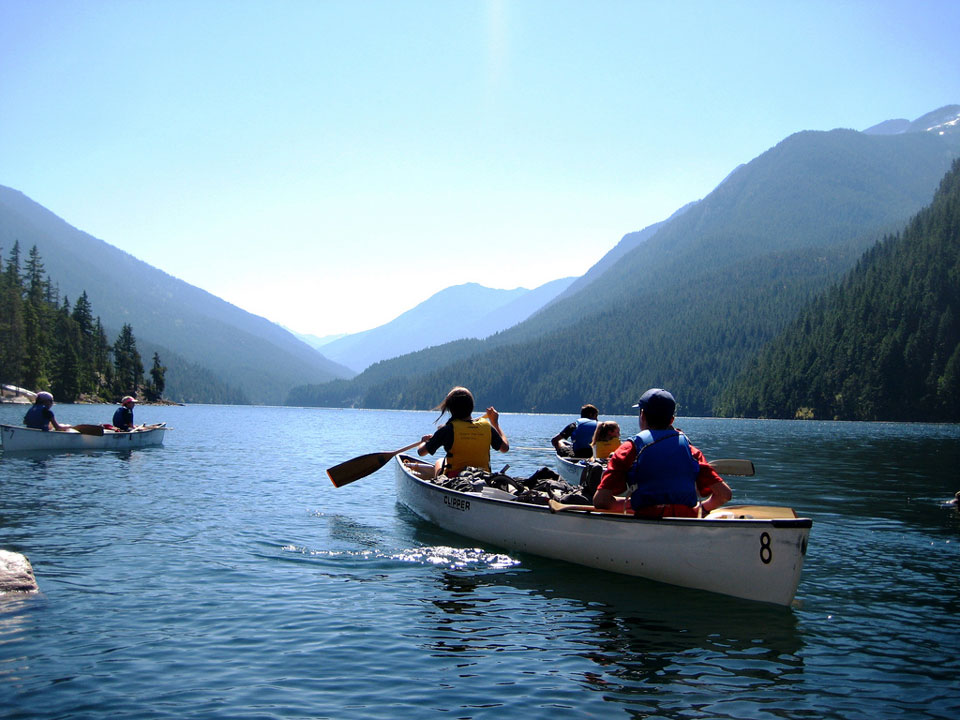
359 467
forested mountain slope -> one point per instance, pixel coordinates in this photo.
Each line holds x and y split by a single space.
689 306
882 345
627 243
813 190
244 351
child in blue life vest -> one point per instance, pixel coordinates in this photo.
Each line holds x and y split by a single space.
467 441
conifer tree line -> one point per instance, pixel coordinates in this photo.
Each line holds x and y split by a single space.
884 344
45 344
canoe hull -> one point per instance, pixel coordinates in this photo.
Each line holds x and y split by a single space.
16 438
570 469
746 558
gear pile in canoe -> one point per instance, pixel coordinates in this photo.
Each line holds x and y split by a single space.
539 489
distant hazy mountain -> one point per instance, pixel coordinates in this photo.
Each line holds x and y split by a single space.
314 341
462 311
689 306
243 351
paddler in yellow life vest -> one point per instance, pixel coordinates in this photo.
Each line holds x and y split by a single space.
467 441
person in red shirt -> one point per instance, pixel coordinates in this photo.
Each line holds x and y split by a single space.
660 473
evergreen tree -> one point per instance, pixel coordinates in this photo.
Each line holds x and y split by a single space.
155 386
65 365
38 288
103 368
83 317
12 330
38 323
127 363
36 352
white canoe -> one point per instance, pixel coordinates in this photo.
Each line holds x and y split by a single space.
756 559
570 468
17 438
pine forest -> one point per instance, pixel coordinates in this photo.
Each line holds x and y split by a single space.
47 345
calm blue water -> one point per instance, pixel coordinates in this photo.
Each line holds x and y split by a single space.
223 576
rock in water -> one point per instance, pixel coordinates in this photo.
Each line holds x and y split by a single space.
16 573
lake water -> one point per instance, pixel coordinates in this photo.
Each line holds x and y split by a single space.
223 576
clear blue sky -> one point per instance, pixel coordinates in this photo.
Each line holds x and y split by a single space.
329 165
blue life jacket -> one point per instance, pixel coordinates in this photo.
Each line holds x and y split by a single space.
582 435
123 418
38 417
664 472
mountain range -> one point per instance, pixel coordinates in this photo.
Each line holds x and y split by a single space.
685 303
692 299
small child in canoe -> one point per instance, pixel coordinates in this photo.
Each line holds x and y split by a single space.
606 439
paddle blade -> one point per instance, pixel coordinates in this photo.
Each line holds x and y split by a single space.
733 467
358 467
89 430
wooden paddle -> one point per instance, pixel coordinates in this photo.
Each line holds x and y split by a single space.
89 430
560 507
733 467
360 467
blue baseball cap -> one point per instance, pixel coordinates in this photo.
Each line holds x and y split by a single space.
658 402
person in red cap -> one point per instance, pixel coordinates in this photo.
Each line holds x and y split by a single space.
658 471
123 416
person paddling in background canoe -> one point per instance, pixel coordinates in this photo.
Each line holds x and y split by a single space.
467 441
659 471
123 415
40 415
578 435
